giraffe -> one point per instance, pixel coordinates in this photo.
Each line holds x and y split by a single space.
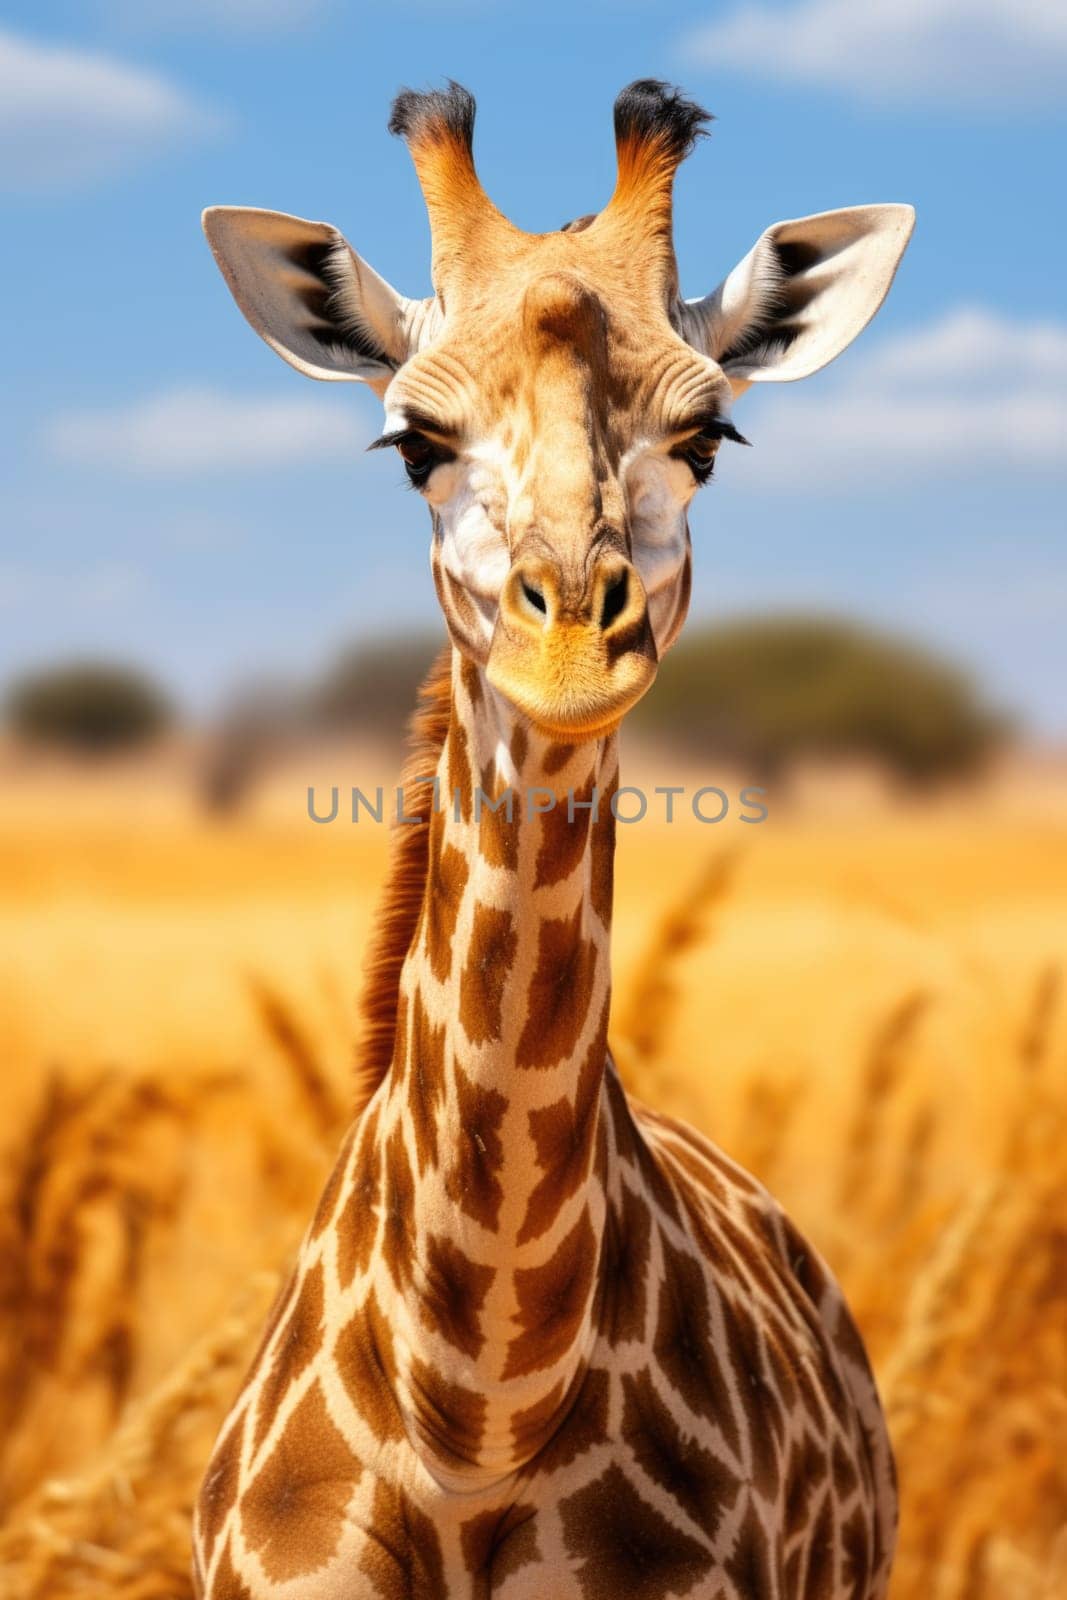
541 1342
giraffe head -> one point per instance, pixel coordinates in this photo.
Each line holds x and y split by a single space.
556 401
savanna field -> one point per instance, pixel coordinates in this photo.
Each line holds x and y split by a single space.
865 1002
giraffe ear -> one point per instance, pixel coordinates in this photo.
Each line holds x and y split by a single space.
801 295
310 296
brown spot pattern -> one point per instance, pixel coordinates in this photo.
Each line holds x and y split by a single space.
856 1552
293 1512
735 1177
846 1478
472 683
656 1180
444 891
519 746
602 856
803 1262
553 1299
472 1181
498 835
298 1344
624 1546
563 840
399 1067
448 1417
749 1263
848 1341
357 1225
563 1135
365 1359
579 1427
454 1294
704 1178
531 1425
781 1369
227 1584
807 1469
398 1243
696 1479
459 772
765 1425
279 1307
219 1488
403 1555
623 1126
819 1579
556 758
683 1344
481 991
559 994
496 1545
327 1205
426 1083
750 1560
627 1234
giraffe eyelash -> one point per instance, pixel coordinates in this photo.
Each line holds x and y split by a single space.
708 431
428 453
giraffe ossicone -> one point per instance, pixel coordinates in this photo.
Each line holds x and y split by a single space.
541 1341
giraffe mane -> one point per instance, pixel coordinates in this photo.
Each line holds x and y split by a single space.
401 897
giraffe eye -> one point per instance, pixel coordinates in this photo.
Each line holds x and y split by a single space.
699 452
420 455
702 446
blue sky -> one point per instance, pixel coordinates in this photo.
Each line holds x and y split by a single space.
176 495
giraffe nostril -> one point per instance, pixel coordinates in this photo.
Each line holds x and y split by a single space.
615 597
534 596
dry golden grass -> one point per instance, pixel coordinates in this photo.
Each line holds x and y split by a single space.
869 1012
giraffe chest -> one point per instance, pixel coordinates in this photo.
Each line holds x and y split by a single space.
635 1496
603 1538
723 1442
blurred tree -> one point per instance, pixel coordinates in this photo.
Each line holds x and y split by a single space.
92 707
765 691
373 685
257 724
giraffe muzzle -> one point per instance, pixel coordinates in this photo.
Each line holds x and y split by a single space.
573 653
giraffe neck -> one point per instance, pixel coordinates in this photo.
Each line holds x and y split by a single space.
490 1119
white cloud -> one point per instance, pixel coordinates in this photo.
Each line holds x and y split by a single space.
189 431
216 16
974 391
990 54
70 115
971 343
